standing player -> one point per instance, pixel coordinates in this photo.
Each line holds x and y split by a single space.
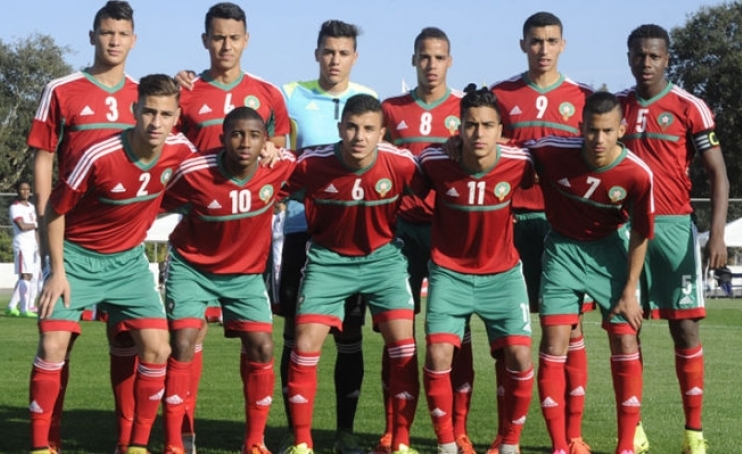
314 107
539 103
352 192
210 97
593 186
97 217
76 111
25 251
219 250
427 115
474 196
666 126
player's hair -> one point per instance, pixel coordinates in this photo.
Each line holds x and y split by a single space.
158 85
432 33
225 10
361 104
19 183
337 29
241 113
649 31
478 97
116 10
541 19
601 102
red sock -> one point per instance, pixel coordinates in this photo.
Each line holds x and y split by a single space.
43 392
177 383
148 390
404 388
257 387
689 368
519 387
197 367
500 383
626 371
388 404
551 387
123 368
55 430
576 373
462 380
440 403
302 389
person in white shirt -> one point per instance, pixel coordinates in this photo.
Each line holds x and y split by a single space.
25 251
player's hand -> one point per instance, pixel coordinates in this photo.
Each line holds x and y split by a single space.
270 154
453 148
55 286
716 251
185 78
629 308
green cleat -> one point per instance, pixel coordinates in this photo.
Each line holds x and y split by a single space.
641 443
693 442
301 448
404 449
12 312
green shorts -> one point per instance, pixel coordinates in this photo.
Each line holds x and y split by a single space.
121 284
329 278
529 232
572 268
416 247
500 300
672 281
243 298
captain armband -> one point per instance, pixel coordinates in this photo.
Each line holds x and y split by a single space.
705 140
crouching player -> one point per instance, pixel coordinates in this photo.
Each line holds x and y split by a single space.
475 269
592 186
98 217
219 252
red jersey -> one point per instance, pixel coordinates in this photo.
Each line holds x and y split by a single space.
110 199
661 132
204 107
473 222
226 227
76 111
411 123
587 203
352 212
530 113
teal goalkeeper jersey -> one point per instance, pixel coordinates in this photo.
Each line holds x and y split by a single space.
314 115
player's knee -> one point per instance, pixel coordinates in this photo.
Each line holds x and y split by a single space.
518 357
685 333
438 356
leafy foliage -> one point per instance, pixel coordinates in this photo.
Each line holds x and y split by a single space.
706 59
26 66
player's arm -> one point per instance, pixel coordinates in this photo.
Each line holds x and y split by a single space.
20 222
628 306
716 170
56 285
185 78
42 187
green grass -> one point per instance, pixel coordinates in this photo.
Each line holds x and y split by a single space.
89 424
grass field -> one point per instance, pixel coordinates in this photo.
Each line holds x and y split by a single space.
89 424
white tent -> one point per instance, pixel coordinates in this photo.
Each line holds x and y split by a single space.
732 234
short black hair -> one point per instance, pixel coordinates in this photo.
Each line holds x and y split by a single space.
21 182
158 85
337 29
225 10
478 97
361 104
432 33
649 31
601 102
241 113
117 10
541 19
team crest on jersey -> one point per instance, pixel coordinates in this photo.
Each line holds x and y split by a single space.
165 175
567 109
383 186
452 124
665 120
502 190
252 102
266 192
616 194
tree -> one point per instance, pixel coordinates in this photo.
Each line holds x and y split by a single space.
26 65
706 60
